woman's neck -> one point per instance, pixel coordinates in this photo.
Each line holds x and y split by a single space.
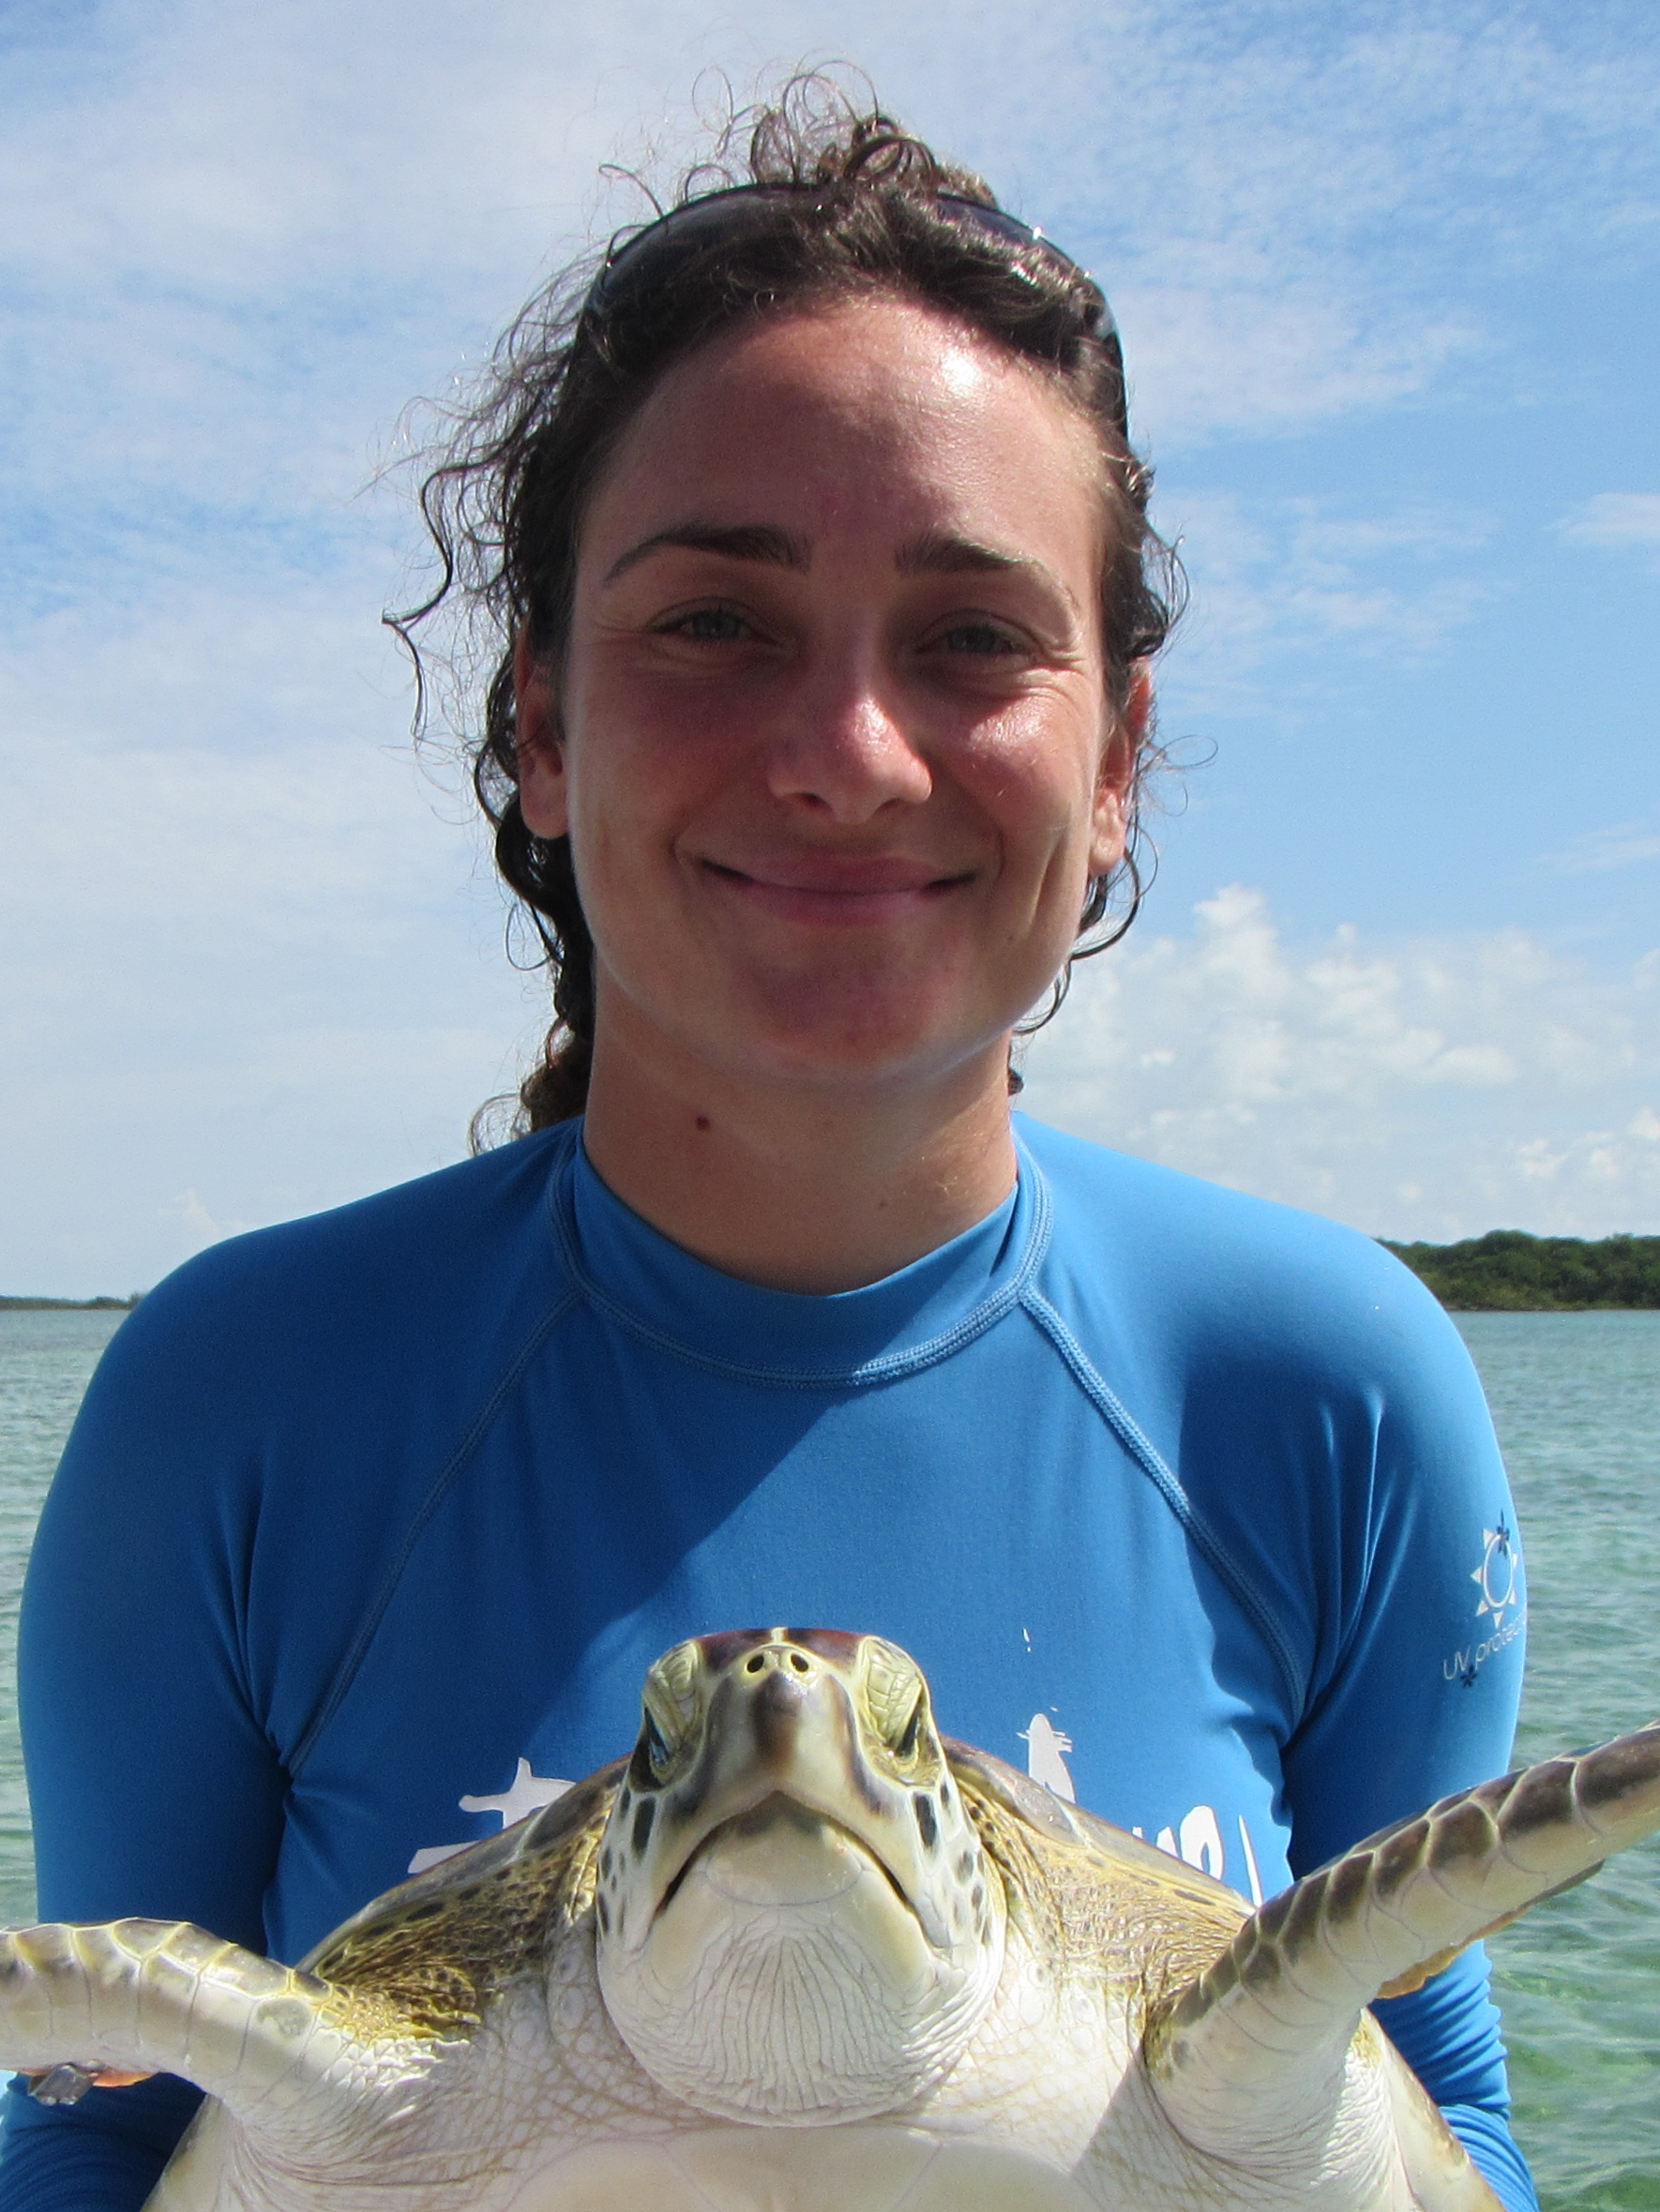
788 1187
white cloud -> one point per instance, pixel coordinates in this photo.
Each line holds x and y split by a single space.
251 958
248 955
1431 1087
1619 521
1278 581
1270 356
311 210
1598 852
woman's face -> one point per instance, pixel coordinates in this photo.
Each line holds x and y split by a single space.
831 737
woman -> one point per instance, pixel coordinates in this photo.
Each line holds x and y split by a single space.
819 558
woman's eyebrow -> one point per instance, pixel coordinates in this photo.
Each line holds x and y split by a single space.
935 552
940 552
740 541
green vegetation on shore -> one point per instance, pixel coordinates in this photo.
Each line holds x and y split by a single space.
68 1305
1506 1271
1509 1271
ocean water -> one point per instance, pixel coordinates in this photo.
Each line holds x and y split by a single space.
1576 1401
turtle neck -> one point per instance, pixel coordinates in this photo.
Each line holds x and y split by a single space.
664 1295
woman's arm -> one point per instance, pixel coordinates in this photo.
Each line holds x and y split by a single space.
155 1789
1421 1695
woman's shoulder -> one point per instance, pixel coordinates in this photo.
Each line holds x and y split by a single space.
466 1239
1222 1267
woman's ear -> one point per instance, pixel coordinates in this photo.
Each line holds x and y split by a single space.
1116 776
543 793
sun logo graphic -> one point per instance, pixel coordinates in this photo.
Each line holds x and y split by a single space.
1496 1576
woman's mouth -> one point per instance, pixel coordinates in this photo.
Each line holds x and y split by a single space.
841 893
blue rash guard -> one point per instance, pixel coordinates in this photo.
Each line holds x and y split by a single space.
371 1525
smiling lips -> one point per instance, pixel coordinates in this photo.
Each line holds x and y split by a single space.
826 888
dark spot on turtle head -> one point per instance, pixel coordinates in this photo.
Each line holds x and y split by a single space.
720 1651
605 1864
644 1816
603 1910
927 1821
945 1796
965 1865
977 1896
834 1644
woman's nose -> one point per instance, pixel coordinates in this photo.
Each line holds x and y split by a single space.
844 751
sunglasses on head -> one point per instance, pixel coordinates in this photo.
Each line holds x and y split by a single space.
647 257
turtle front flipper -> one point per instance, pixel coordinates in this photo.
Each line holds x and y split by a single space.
80 2006
1243 2055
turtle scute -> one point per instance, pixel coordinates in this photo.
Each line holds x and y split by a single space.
435 1950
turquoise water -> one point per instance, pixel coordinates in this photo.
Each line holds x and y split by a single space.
1576 1399
45 1363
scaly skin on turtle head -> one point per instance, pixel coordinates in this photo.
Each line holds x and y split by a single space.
796 1920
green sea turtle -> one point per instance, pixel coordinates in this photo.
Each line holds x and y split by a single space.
799 1953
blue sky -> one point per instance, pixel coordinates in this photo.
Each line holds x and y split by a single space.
1387 282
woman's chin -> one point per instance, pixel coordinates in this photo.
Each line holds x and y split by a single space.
872 1054
842 1027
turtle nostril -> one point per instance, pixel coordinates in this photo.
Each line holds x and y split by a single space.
754 1665
800 1662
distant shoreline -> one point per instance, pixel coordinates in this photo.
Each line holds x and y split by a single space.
1508 1271
69 1305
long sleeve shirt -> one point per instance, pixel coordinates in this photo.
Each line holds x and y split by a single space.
371 1523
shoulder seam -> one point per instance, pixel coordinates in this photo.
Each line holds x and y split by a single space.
347 1672
1158 1471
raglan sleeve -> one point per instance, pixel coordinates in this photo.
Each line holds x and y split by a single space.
1418 1676
155 1788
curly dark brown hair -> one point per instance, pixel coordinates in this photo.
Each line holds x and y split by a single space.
859 211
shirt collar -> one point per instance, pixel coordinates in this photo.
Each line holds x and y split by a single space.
661 1293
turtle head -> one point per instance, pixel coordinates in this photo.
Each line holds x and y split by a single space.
795 1921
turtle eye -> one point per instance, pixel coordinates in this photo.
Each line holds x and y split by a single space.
906 1746
895 1695
677 1676
658 1756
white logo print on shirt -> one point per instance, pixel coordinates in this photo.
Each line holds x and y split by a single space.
1496 1578
1198 1837
1045 1760
526 1793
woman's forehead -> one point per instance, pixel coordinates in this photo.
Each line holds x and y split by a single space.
872 413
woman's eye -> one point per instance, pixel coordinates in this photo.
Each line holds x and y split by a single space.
983 639
708 626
